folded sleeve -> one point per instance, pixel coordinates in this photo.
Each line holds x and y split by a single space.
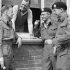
30 20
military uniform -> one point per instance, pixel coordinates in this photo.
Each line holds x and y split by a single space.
6 38
62 33
48 33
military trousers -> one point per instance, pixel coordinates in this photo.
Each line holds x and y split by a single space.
63 59
48 59
8 54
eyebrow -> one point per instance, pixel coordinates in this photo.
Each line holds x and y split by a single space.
24 5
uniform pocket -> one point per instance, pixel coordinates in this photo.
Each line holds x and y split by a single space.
6 49
6 32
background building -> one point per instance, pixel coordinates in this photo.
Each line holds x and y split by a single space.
36 5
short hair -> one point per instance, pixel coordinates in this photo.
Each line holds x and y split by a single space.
6 7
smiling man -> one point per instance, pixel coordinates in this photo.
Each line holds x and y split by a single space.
7 36
22 17
62 35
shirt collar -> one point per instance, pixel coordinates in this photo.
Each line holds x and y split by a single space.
24 12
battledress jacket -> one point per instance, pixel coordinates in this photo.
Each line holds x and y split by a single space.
6 34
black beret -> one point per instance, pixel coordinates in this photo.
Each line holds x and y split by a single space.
46 9
58 5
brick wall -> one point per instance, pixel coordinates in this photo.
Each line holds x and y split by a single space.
28 57
18 2
50 2
12 2
34 4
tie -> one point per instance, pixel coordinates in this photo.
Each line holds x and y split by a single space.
9 23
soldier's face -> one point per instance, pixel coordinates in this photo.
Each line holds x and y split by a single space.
10 13
57 12
24 6
45 15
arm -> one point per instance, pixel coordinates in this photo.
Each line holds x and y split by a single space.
15 10
18 40
68 28
64 37
1 34
1 49
30 25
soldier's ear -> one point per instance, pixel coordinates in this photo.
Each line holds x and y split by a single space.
62 10
6 12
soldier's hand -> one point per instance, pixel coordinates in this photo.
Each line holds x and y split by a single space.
48 41
2 63
19 41
42 21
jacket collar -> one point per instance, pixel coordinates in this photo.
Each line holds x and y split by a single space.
4 24
63 20
63 17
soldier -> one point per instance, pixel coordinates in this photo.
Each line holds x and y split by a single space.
45 21
62 34
7 36
47 33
